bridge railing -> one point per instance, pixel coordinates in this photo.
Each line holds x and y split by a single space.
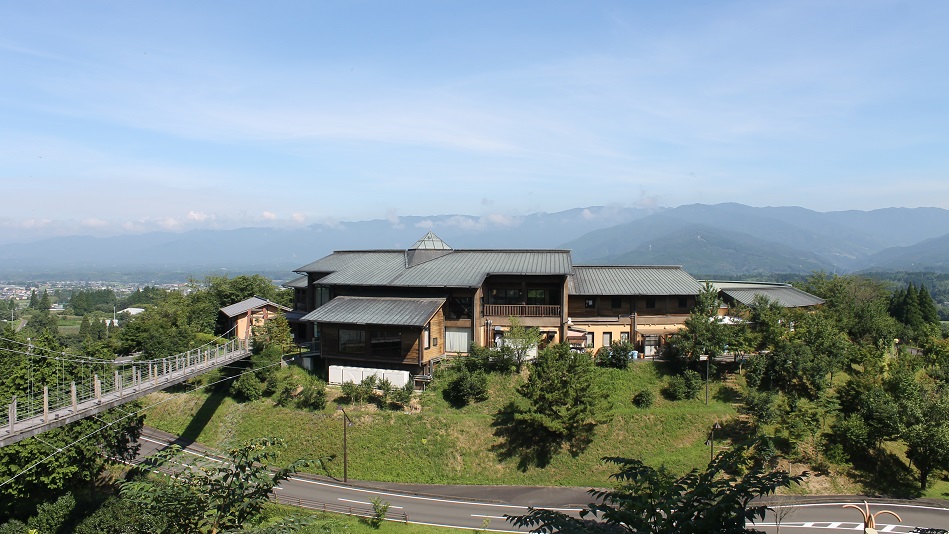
125 379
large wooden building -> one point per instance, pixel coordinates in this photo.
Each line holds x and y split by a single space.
404 309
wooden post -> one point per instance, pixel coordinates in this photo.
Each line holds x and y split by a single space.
12 413
97 387
72 391
116 384
45 404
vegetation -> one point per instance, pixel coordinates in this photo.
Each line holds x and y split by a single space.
714 500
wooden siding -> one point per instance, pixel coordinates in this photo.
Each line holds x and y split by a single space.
603 305
329 344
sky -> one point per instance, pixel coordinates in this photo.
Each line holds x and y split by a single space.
126 117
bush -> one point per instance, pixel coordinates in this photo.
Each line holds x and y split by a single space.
644 399
685 386
248 387
403 395
466 386
617 355
313 396
55 516
492 360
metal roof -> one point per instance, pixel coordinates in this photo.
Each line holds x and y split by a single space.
784 294
460 268
297 283
632 280
381 311
252 303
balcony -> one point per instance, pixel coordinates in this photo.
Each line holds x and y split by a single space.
521 310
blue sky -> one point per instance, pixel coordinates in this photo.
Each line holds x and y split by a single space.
138 116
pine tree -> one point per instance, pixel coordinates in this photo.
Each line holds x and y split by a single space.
913 316
927 306
34 302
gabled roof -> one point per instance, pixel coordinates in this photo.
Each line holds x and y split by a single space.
784 294
252 303
632 280
380 311
460 268
430 241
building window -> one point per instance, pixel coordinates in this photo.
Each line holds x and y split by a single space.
651 303
385 343
460 308
589 340
352 341
427 336
624 337
607 339
683 302
616 303
536 297
506 296
589 303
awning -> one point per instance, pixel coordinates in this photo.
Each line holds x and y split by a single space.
380 311
576 334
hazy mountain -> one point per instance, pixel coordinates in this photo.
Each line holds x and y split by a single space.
713 239
744 239
703 251
928 255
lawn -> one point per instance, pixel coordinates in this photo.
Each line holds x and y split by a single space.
443 445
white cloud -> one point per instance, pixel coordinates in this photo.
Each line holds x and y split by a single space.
298 218
269 216
199 216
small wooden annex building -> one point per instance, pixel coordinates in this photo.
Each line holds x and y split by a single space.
248 313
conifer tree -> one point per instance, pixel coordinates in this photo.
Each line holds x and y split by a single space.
927 307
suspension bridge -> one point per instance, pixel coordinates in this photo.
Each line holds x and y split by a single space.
106 384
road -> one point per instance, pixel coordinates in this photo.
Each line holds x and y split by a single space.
472 507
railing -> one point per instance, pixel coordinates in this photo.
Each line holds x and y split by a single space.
521 310
52 407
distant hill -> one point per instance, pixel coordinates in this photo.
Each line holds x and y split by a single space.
705 239
747 240
703 251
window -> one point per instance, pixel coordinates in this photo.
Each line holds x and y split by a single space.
506 296
683 302
536 296
589 303
589 340
651 303
459 308
352 341
624 337
607 339
616 303
385 343
427 336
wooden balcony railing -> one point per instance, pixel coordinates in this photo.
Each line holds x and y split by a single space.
521 310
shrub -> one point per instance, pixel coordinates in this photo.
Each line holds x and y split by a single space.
644 399
467 386
248 387
403 395
313 396
685 386
616 355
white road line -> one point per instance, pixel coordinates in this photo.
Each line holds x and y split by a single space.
366 503
421 498
489 516
887 504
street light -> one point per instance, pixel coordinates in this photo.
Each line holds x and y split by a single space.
711 441
346 422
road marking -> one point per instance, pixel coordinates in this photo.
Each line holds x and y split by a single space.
367 503
887 504
489 516
420 498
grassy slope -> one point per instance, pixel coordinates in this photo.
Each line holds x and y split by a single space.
444 445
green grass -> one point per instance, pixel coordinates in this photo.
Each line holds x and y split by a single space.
444 445
329 523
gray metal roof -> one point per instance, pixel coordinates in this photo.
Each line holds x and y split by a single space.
460 268
784 294
632 280
249 304
297 283
381 311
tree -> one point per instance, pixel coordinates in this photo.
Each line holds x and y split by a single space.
648 500
522 340
561 402
704 331
208 496
617 355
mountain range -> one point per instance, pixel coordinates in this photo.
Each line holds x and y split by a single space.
707 240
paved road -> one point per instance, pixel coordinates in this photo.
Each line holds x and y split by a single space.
468 507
